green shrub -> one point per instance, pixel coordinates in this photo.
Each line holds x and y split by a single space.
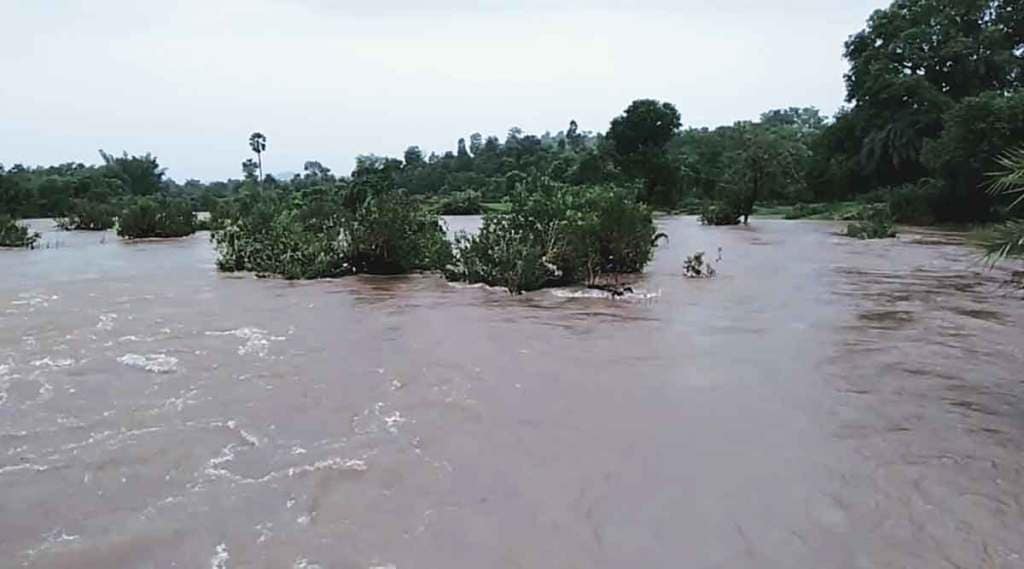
389 234
912 203
14 234
719 213
87 215
557 235
502 254
875 223
159 217
329 232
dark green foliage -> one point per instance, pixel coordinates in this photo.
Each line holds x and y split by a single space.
875 223
156 217
331 232
504 253
461 203
88 215
935 88
639 138
390 234
801 211
1007 240
140 175
13 234
913 203
556 234
977 131
720 213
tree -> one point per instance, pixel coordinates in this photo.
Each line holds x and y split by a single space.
639 138
413 156
141 175
573 137
978 132
476 143
767 161
258 144
250 169
914 61
316 171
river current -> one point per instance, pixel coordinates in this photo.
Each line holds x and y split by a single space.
822 402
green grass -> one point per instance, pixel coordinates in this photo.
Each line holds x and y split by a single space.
819 211
497 207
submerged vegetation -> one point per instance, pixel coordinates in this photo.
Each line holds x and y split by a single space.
331 232
14 234
556 235
695 267
156 217
875 223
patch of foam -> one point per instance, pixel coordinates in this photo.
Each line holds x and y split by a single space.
303 563
154 363
335 463
371 420
257 341
637 294
265 533
52 363
34 300
220 557
106 321
388 566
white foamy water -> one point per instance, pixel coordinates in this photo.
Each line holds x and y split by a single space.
257 341
220 557
154 363
54 363
636 294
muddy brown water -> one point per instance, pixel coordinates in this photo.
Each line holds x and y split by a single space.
824 402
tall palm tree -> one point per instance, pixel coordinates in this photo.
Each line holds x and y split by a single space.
258 143
1007 240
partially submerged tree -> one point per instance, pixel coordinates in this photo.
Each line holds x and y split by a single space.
156 217
14 234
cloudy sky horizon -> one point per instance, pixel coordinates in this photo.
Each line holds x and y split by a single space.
189 80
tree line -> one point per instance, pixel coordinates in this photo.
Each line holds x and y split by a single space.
933 101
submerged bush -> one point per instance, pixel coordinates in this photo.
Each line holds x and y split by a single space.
391 234
14 234
720 213
695 267
556 235
88 215
875 223
330 232
161 217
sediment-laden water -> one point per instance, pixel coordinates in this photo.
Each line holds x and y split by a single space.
824 402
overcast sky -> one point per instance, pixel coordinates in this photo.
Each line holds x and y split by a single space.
188 80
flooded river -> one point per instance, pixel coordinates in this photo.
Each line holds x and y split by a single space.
824 402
